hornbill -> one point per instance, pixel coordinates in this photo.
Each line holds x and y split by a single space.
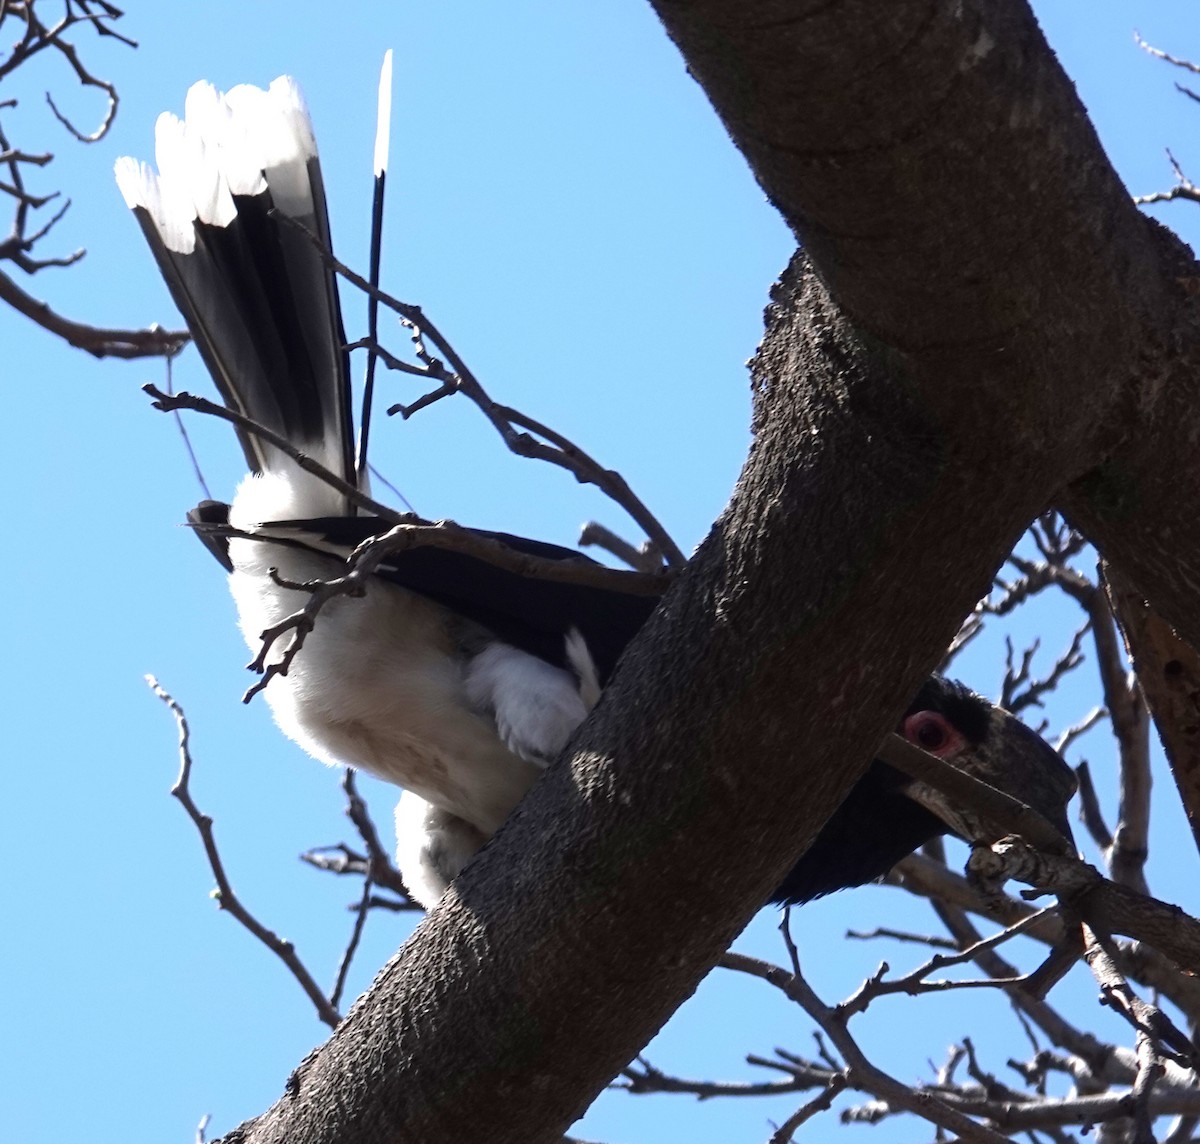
451 677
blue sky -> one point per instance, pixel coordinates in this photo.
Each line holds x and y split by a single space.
567 208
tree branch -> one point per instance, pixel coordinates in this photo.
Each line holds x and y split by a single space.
153 341
224 895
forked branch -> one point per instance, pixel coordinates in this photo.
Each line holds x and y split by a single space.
521 434
33 37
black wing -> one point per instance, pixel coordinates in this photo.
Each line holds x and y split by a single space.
528 612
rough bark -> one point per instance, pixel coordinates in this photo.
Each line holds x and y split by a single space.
1168 671
981 318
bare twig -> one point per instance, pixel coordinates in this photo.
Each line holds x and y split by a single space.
822 1103
922 876
1091 1063
1150 1072
225 897
1056 540
378 476
1158 53
972 626
153 341
375 867
860 1073
1168 671
380 869
1077 730
169 402
515 428
38 36
1147 1019
900 935
1184 188
1127 856
914 983
1021 689
1124 910
360 919
1090 811
643 1078
183 433
644 559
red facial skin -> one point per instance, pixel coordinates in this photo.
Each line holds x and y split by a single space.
933 732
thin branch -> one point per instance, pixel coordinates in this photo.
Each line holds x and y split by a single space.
153 341
225 897
1126 708
943 887
972 626
1184 188
169 402
644 559
360 920
380 869
378 476
1159 54
901 936
1077 730
459 379
860 1073
914 983
376 866
1147 1019
1013 698
643 1078
1089 809
183 433
1168 671
1090 1059
1124 910
1150 1072
18 248
822 1103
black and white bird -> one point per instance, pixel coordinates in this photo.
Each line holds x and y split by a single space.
452 678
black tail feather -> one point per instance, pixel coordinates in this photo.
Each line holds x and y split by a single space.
263 307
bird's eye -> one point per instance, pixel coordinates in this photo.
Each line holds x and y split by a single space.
934 733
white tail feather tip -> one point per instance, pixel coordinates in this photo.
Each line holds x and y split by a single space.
136 182
383 121
238 143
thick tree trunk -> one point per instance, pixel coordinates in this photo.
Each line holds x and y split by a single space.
982 310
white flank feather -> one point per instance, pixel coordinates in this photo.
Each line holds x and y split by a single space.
536 705
579 656
432 847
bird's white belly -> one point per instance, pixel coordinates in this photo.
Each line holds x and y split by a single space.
396 706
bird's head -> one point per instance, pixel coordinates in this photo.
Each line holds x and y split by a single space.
986 742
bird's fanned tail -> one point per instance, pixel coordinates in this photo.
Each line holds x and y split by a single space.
253 287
